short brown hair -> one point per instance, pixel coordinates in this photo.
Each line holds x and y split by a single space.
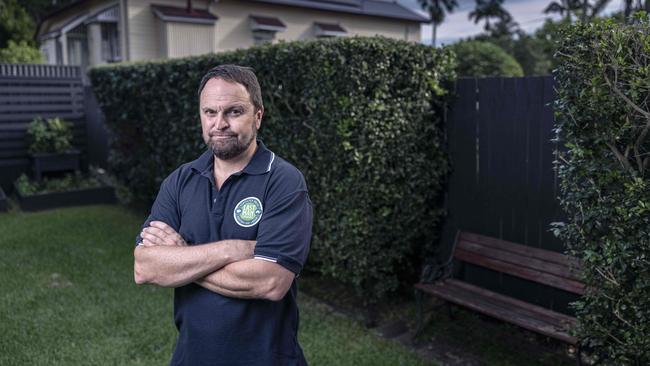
236 74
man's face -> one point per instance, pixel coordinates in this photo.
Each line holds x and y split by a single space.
228 118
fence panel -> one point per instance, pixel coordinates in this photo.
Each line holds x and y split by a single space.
503 183
30 91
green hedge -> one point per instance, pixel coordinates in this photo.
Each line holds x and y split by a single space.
483 59
603 120
360 117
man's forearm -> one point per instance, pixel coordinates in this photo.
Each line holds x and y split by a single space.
249 279
173 266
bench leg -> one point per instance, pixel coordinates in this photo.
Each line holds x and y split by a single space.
578 355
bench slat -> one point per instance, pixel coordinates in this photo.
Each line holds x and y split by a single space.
538 311
572 286
500 307
517 259
542 254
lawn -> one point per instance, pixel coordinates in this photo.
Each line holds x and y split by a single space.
68 298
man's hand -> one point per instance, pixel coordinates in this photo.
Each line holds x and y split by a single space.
159 233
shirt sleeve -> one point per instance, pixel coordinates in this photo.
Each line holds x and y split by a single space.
164 208
284 232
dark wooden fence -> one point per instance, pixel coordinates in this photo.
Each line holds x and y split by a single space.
503 183
47 91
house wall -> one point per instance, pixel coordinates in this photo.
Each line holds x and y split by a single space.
143 36
151 39
146 40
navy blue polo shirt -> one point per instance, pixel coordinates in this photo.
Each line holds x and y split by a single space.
267 201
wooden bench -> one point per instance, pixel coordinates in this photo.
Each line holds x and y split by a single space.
533 264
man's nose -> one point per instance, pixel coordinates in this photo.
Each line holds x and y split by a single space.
220 122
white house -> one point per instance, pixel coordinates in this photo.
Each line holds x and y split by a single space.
91 32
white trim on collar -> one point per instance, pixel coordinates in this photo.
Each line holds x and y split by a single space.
271 162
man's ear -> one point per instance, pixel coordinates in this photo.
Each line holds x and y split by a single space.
258 117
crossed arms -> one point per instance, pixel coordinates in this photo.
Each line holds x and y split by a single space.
226 267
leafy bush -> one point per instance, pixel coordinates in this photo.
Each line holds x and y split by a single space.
603 120
68 182
20 53
49 136
360 117
477 58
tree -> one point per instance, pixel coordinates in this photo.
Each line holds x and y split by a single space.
20 53
493 9
437 9
631 6
15 23
478 58
584 10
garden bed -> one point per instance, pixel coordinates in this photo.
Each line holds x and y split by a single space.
54 162
85 194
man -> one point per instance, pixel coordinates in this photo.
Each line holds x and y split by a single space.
230 231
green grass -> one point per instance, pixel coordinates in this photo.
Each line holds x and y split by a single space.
68 298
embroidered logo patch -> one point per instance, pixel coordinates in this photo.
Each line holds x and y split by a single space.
248 212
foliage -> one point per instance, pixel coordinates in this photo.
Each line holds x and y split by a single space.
534 52
15 23
476 58
20 53
603 121
53 135
361 119
68 182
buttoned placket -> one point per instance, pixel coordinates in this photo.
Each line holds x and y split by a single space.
219 199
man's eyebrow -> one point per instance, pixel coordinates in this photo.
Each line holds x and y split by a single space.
229 106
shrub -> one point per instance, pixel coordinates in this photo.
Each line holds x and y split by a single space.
20 53
67 182
477 58
603 121
360 117
49 136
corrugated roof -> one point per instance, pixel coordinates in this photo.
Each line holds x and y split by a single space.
386 9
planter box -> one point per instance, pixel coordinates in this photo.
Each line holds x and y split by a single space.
43 163
80 197
4 205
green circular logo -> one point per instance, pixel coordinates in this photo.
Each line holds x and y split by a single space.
248 212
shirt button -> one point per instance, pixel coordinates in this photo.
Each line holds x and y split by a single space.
214 200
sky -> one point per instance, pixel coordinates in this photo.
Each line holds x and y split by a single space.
528 13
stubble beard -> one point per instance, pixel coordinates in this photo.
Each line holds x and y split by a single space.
230 148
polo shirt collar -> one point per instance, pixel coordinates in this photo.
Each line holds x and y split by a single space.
260 163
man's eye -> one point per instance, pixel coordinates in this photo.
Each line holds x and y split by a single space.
235 112
209 113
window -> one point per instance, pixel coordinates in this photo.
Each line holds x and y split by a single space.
262 37
264 28
110 42
77 46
